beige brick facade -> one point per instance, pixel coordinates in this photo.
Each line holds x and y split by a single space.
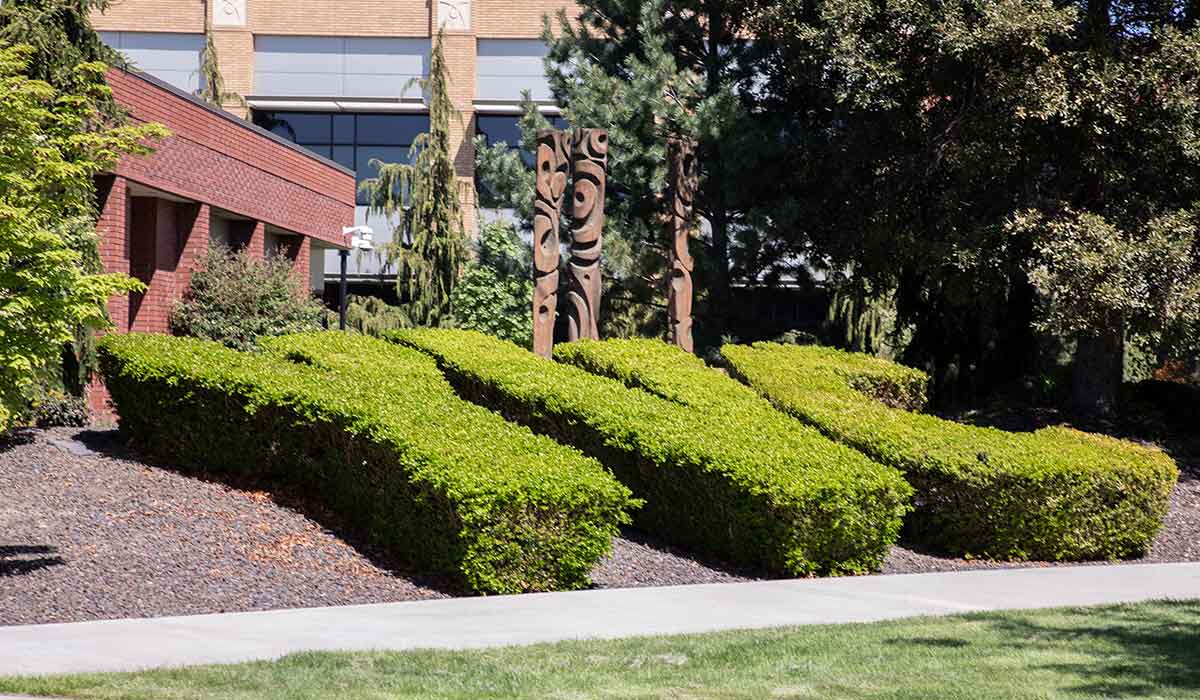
403 19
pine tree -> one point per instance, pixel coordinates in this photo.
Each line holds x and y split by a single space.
428 244
647 70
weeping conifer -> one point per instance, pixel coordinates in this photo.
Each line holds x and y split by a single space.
428 246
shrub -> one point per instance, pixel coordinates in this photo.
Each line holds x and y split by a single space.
375 432
57 409
493 292
752 490
236 298
1052 494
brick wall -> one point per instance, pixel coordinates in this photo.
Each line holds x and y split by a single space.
152 16
156 211
221 161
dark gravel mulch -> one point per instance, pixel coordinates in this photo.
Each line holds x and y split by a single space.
90 531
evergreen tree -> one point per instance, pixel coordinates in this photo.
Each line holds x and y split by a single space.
646 70
428 244
61 35
1007 167
212 83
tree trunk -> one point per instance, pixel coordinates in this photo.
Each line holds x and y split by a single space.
1097 372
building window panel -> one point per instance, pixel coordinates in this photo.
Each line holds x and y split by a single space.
307 66
506 68
348 138
172 58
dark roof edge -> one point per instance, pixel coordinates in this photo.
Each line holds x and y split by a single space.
234 119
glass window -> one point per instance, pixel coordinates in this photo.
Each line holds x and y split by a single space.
349 139
383 129
343 128
496 128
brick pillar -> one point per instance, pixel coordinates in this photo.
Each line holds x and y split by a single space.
235 57
300 251
194 223
112 235
459 48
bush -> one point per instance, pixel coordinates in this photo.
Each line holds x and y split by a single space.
750 487
1052 494
375 432
59 410
494 291
235 299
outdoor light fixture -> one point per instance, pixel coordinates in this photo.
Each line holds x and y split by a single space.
360 238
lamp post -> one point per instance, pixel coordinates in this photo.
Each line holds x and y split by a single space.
359 239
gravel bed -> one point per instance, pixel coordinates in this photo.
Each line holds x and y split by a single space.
89 531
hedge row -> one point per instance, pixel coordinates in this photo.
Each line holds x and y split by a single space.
1052 494
750 489
375 432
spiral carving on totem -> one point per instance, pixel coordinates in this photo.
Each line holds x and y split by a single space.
589 156
550 183
683 179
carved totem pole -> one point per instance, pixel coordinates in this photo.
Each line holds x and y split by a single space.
550 182
589 155
682 181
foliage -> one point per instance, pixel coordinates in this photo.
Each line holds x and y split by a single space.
746 484
212 83
645 71
236 298
61 36
57 409
50 151
377 434
429 246
493 295
1092 275
1052 494
369 315
1087 653
922 131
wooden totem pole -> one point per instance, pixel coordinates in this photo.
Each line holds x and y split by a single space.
550 183
589 155
682 182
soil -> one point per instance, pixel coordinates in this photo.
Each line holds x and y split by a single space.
88 530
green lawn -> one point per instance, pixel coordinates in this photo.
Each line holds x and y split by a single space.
1147 651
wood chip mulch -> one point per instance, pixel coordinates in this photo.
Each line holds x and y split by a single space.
90 531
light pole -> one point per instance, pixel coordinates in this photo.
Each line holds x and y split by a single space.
360 239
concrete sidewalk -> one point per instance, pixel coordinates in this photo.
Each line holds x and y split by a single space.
117 645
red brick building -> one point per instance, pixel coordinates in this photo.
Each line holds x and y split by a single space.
217 178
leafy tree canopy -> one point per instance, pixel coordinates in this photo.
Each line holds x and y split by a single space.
53 145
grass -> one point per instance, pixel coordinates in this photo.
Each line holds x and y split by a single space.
1145 650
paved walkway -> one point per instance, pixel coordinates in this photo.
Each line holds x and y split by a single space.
113 645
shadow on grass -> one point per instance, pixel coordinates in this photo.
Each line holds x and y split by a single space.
1152 648
109 443
15 559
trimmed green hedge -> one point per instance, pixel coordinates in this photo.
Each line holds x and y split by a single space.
749 486
375 432
1052 494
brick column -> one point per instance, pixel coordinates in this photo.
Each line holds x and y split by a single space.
459 48
235 57
112 235
301 253
194 220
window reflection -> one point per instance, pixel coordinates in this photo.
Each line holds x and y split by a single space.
349 139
